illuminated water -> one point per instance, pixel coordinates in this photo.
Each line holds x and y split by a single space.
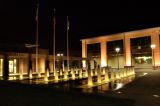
74 85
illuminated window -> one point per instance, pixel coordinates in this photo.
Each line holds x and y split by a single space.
10 66
1 66
15 63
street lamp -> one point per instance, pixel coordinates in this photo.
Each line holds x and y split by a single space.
153 46
117 50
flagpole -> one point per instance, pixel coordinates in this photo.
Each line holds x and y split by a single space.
67 44
54 33
39 74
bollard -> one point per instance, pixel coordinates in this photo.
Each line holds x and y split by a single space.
46 75
121 73
103 71
30 74
106 74
95 71
86 73
90 81
21 75
133 71
39 74
111 74
65 74
80 73
61 72
124 72
99 75
127 72
117 74
55 75
76 71
73 73
92 73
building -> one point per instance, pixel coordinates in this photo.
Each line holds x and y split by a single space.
16 60
135 49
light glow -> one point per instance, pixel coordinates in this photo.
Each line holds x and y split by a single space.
156 96
1 66
103 63
73 74
56 75
119 85
119 92
145 73
83 63
153 46
21 76
117 49
59 54
144 57
30 74
90 84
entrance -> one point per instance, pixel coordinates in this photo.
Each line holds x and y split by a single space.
13 66
1 67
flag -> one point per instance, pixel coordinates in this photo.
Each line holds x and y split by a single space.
67 23
37 12
54 20
54 17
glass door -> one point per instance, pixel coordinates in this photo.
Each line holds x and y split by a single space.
12 66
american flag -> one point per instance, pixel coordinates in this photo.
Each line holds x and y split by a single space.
37 12
67 23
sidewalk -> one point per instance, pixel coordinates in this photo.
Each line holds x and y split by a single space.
144 90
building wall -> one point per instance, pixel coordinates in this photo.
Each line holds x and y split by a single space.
126 37
113 62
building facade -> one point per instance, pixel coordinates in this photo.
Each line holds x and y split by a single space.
126 48
15 64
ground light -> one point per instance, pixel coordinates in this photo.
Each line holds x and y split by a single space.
21 76
46 75
30 74
119 85
156 96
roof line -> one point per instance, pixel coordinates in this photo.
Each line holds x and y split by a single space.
121 33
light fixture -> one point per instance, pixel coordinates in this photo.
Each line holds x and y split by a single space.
117 49
58 54
153 46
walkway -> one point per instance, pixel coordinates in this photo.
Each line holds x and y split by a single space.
145 91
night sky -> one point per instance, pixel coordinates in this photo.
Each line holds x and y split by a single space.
87 19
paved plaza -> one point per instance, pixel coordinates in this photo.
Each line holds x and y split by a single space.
144 90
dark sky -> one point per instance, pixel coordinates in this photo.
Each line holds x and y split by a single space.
87 19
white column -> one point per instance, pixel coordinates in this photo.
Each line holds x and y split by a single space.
103 54
127 51
99 75
84 53
155 40
90 82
